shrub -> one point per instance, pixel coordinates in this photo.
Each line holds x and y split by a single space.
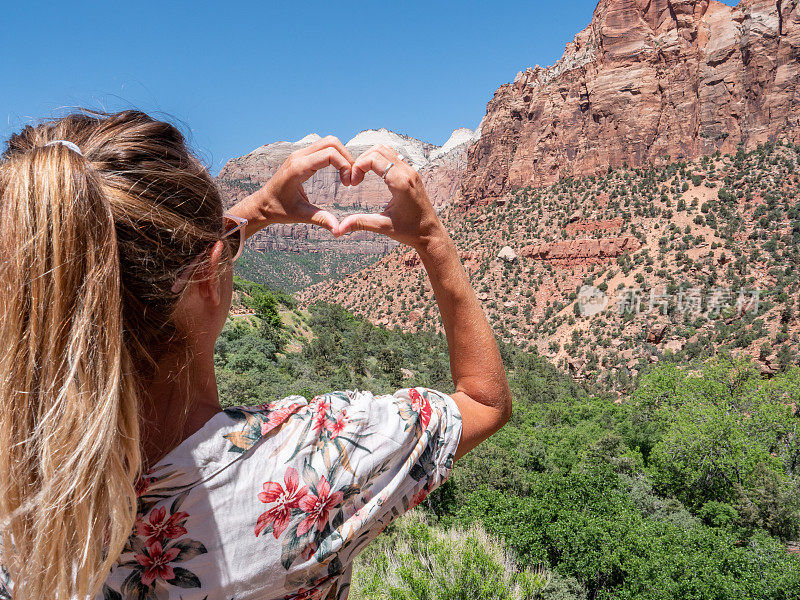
414 561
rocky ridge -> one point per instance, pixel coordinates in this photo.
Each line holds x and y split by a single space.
607 274
646 81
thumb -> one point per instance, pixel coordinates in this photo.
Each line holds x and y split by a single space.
376 223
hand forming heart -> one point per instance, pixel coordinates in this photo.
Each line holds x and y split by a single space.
408 217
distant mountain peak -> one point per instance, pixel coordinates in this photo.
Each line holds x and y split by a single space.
309 139
415 151
370 137
462 135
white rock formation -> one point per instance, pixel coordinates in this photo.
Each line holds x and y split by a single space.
507 254
309 139
460 136
414 151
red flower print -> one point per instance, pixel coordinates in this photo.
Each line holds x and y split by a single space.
158 527
142 485
304 594
418 497
275 418
285 500
320 413
318 587
156 565
421 406
309 550
317 507
335 427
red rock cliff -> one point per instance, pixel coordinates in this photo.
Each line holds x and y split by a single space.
647 80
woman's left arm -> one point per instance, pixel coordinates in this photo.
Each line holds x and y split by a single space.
283 200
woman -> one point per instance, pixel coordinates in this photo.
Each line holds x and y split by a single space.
121 475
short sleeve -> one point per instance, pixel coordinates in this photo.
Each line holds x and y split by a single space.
408 444
425 426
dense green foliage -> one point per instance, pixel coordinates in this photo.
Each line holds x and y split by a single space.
686 489
344 353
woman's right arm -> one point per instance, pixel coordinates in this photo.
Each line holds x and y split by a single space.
482 393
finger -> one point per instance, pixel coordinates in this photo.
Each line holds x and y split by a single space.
345 175
377 223
371 160
391 155
321 218
388 152
311 163
326 142
402 174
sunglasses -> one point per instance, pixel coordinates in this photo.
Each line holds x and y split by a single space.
234 237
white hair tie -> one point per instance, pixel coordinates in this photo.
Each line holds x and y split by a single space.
68 144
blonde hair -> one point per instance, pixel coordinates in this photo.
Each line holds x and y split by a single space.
90 246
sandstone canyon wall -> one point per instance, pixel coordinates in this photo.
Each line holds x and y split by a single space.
647 80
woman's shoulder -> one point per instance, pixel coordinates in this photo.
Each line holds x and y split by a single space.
337 413
344 417
247 425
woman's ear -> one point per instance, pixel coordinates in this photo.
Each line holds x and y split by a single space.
209 283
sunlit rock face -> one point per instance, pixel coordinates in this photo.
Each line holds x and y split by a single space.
646 81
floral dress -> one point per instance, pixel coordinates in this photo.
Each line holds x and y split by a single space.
275 501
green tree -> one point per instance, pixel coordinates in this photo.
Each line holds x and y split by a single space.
266 308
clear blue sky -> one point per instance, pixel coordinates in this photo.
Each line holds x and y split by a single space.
242 74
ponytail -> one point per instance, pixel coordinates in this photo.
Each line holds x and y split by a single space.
69 433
